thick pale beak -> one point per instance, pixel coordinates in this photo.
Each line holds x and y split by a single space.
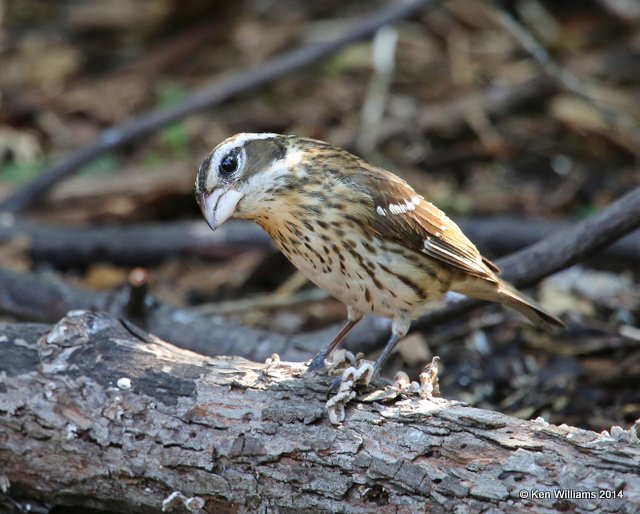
218 206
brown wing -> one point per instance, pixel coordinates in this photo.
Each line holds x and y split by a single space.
400 214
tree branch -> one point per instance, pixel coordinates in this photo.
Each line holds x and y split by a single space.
146 244
566 247
133 244
33 297
92 416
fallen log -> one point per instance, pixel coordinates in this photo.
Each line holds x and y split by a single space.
93 416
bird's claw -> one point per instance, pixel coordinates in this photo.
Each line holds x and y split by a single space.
318 363
371 379
334 386
336 360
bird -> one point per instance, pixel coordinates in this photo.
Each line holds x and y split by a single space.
357 231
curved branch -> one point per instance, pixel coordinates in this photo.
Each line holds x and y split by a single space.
558 251
574 244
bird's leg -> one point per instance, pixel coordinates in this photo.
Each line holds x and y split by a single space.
399 329
318 361
382 358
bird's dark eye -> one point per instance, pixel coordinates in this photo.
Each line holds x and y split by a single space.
229 163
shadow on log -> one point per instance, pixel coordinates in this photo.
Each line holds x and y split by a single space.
92 416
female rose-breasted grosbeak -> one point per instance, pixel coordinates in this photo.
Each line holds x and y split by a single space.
355 230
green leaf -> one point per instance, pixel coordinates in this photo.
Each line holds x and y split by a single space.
21 172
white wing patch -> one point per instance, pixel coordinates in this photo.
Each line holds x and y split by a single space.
399 208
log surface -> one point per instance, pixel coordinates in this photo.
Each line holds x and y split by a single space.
93 416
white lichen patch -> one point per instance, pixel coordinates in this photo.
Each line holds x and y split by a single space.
339 358
5 483
71 432
429 383
176 499
124 383
274 359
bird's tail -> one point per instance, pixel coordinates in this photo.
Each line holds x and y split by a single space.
505 293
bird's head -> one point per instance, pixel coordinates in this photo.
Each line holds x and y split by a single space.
237 176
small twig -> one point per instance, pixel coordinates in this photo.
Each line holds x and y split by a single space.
495 100
527 40
372 113
628 10
138 285
146 124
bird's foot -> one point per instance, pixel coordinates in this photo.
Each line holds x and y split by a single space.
373 381
337 360
343 389
317 363
365 375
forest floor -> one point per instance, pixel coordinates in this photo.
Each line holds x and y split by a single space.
456 105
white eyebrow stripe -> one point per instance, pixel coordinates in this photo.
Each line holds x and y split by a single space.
237 141
242 137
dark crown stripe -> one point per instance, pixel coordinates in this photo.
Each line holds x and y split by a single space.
202 173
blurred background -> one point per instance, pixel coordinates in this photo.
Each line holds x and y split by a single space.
448 98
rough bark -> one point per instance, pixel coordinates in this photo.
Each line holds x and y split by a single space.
92 416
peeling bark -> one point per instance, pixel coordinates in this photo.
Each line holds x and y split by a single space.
93 416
